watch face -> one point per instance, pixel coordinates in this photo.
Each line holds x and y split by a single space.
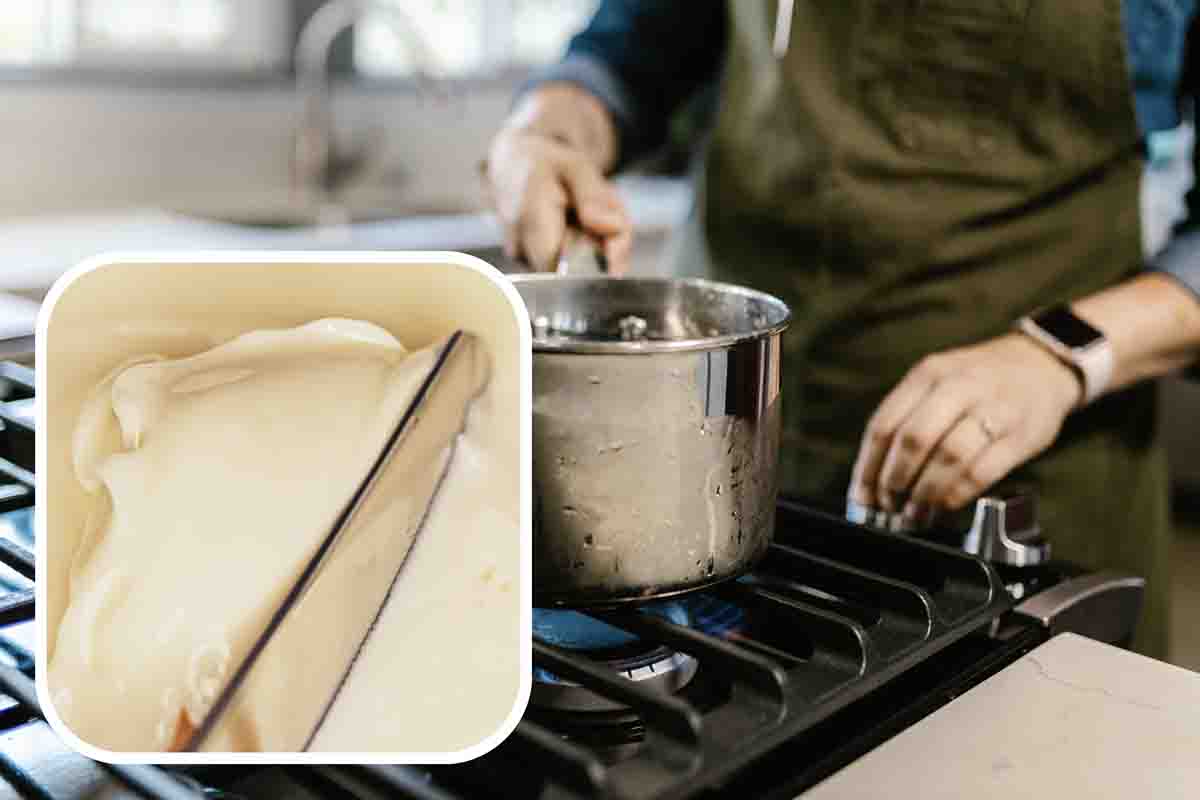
1067 328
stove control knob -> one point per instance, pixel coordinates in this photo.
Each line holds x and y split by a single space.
877 518
1006 530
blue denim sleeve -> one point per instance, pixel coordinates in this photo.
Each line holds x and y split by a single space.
643 59
1162 38
1156 40
1180 260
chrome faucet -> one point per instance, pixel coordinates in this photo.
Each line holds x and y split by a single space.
321 164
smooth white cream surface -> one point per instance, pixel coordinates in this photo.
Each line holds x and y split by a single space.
447 638
214 477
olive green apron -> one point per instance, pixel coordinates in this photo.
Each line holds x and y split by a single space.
912 177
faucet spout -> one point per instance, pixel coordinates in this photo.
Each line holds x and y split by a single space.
321 164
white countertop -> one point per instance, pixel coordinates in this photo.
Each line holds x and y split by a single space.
1072 719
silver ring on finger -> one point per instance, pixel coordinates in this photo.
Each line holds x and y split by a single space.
987 426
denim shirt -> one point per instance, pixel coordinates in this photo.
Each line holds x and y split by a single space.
1156 40
644 58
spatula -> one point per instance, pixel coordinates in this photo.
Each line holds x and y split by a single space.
407 467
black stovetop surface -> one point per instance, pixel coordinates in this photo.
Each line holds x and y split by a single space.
844 636
833 614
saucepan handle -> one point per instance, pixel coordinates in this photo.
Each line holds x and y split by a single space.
581 254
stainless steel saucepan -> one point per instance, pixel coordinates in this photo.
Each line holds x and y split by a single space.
656 432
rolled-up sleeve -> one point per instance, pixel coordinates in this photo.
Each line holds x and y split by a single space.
1181 260
643 60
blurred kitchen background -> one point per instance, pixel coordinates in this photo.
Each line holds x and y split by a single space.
135 124
128 123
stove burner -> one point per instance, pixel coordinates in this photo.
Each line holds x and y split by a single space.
575 630
659 669
644 662
648 663
710 614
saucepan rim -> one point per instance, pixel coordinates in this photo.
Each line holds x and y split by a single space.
656 346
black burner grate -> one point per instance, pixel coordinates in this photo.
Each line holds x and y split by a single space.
833 612
19 705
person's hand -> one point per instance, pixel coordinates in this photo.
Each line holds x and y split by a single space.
960 421
540 185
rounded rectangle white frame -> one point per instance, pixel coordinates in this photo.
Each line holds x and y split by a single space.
525 590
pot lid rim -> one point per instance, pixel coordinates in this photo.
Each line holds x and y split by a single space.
658 346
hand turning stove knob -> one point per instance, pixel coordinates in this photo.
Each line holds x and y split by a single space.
1006 530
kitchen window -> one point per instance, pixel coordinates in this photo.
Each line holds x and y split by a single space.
145 35
471 37
467 38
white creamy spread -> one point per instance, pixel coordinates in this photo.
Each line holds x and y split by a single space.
447 638
215 477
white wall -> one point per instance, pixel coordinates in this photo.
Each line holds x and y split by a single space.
99 147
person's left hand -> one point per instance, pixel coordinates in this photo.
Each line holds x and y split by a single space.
960 421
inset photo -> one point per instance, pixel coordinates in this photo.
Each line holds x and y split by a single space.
284 507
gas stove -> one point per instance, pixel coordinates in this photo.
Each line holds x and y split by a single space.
842 636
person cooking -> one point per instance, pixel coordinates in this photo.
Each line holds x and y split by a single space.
949 196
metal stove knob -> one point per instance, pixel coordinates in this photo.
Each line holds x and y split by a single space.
1006 530
877 518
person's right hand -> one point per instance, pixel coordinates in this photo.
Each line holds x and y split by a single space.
541 185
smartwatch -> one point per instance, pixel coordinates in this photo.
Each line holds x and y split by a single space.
1075 343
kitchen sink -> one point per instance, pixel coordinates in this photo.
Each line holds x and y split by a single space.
285 221
288 217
